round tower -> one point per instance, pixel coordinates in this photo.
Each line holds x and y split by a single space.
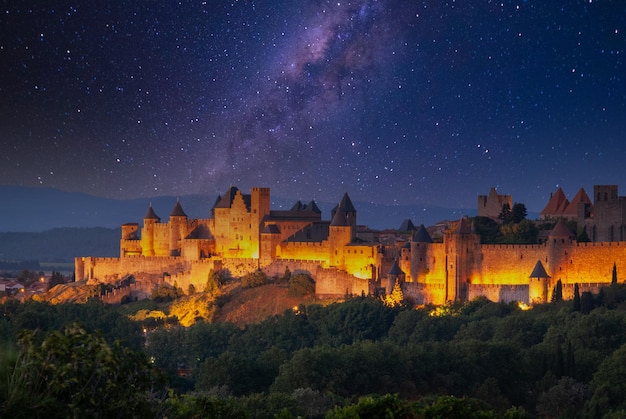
405 261
560 243
177 229
348 211
147 233
395 274
420 244
339 235
538 285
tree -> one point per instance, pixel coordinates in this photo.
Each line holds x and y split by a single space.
77 374
488 230
27 278
614 274
301 285
456 407
191 289
165 293
254 279
287 275
565 399
518 213
587 302
396 297
214 281
525 232
576 300
55 279
557 292
583 237
609 385
505 215
386 407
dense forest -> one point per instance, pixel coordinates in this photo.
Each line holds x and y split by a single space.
358 358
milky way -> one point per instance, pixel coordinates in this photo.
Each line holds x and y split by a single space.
414 103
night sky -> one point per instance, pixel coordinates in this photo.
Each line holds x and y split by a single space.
401 102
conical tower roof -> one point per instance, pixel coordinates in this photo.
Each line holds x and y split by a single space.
539 271
177 211
151 215
561 230
395 269
297 206
339 219
312 206
346 204
421 235
407 225
462 227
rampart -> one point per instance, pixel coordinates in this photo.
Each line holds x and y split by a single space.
277 268
304 250
331 282
506 264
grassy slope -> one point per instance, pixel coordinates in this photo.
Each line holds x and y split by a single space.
252 305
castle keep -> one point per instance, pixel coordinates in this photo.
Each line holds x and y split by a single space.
243 234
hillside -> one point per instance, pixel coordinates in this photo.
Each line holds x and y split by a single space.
252 305
240 306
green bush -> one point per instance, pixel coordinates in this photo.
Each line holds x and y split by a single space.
254 279
301 285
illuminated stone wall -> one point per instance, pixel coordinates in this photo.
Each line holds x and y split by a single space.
304 251
460 268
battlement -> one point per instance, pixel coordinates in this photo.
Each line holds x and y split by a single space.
620 244
515 247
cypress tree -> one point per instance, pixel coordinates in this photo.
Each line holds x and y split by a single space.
576 301
557 292
614 274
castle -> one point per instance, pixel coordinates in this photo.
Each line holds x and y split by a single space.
244 234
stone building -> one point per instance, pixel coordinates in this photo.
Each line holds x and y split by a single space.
491 205
244 234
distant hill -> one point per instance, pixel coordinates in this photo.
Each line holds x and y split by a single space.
59 244
24 209
39 209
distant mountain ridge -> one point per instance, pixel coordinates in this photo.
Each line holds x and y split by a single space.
59 244
24 209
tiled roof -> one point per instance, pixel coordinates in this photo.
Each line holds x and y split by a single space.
226 200
270 229
556 205
580 197
314 232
